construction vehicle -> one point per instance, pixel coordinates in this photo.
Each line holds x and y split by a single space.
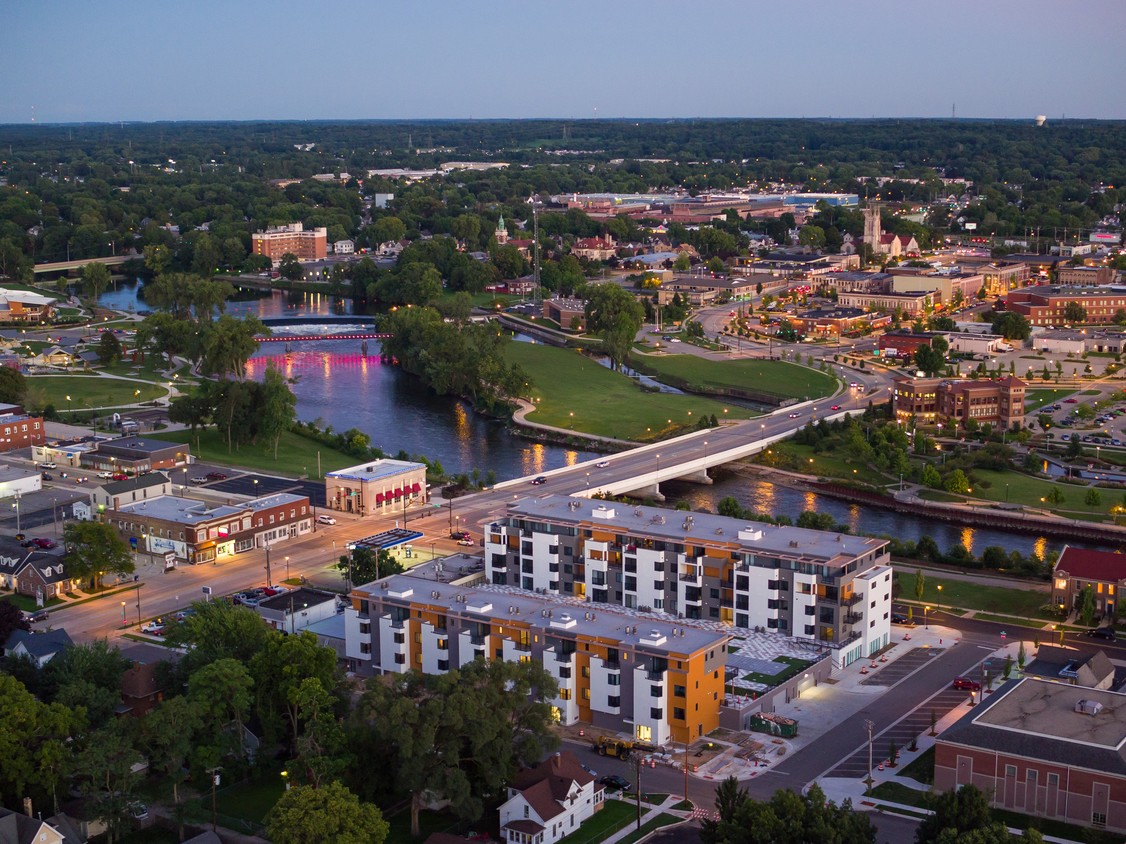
610 746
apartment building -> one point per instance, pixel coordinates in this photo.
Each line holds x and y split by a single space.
1045 304
659 680
828 588
310 245
19 429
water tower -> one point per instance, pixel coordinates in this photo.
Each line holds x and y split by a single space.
1041 119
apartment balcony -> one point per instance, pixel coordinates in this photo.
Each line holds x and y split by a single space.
655 676
566 657
479 641
850 600
852 617
523 647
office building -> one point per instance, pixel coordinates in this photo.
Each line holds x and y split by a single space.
378 488
276 241
930 401
1046 304
823 587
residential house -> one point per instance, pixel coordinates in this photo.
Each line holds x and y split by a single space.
293 611
39 647
141 686
1078 568
22 828
595 248
116 494
1068 665
550 801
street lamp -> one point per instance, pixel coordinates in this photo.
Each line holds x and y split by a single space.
926 624
705 453
17 506
68 416
287 566
939 607
124 623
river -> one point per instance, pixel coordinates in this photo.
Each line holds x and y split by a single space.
339 385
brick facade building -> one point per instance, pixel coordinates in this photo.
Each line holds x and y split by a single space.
1078 568
1045 304
930 401
306 245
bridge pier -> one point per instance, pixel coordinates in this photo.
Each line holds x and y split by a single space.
699 477
652 491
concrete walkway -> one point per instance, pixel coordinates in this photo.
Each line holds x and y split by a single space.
649 812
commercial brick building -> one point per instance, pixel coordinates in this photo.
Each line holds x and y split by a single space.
828 588
378 488
933 400
306 245
904 343
1045 749
909 303
1045 304
660 680
1078 568
19 429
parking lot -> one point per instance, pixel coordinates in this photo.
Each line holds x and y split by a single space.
268 485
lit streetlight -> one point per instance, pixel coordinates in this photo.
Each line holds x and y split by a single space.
124 623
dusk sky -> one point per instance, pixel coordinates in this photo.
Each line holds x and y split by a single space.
76 60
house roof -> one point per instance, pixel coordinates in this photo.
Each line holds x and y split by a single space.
18 828
41 644
1068 664
49 567
1086 564
546 785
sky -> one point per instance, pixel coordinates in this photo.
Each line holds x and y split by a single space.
110 60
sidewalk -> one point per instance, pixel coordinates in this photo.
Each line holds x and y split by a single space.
823 707
651 813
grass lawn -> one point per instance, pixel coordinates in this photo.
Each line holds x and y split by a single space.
296 455
91 391
920 769
939 495
897 793
1040 397
27 604
428 823
1022 489
969 595
793 666
663 819
769 376
614 815
801 458
604 402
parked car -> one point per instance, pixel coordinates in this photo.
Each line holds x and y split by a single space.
1107 634
326 520
539 479
44 543
153 628
616 782
216 476
184 615
898 618
138 811
199 479
966 684
35 616
119 476
105 475
271 591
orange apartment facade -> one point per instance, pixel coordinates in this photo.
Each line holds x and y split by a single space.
660 681
306 245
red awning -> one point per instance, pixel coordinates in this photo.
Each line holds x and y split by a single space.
398 493
378 497
415 487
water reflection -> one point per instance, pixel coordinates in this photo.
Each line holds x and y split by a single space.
968 534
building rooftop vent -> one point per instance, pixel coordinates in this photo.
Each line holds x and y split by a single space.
603 512
1088 707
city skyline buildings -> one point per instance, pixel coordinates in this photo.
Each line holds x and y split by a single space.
121 61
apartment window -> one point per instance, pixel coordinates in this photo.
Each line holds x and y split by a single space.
443 665
656 691
677 713
679 691
564 694
656 713
614 679
614 700
565 672
399 638
365 648
586 694
1098 819
365 627
400 659
443 645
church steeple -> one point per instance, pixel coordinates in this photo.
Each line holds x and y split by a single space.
502 232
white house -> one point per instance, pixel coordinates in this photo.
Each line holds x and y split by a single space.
549 801
344 247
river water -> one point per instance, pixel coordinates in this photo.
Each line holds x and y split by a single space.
336 383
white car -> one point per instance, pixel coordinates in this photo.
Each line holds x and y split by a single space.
47 465
105 475
326 520
602 464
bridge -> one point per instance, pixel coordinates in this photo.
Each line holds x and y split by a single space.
293 338
319 319
75 266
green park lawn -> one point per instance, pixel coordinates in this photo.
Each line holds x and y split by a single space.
769 376
1022 489
614 815
802 458
89 391
1037 398
971 595
297 455
607 403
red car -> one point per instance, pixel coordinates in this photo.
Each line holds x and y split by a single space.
44 543
120 476
835 407
966 684
216 476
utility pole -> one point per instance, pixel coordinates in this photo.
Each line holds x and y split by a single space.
868 725
269 580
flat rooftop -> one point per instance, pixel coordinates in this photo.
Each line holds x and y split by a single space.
277 500
558 616
15 473
186 511
141 445
698 528
1048 710
374 470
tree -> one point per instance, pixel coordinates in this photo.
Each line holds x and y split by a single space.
109 348
219 630
927 549
169 734
366 564
386 230
1085 606
920 583
958 812
956 481
105 767
13 386
279 668
1073 312
158 258
94 549
683 263
930 477
729 507
811 236
222 692
1055 496
277 408
290 267
1011 326
95 279
929 360
308 815
228 344
614 314
1092 498
11 619
787 818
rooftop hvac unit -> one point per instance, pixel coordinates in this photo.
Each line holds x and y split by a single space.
1088 707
